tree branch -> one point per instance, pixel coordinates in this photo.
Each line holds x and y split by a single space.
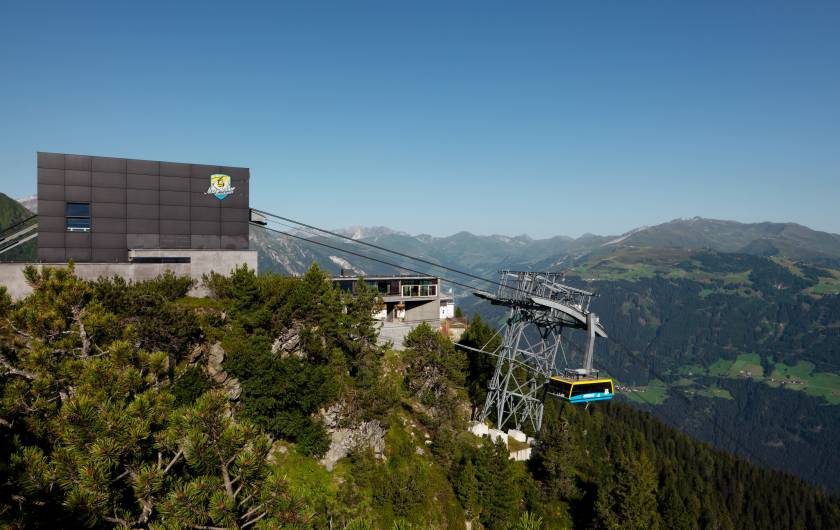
121 475
252 521
11 370
253 510
226 477
77 316
246 499
174 459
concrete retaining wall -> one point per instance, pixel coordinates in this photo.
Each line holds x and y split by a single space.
201 262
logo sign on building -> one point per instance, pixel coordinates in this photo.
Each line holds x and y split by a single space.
220 186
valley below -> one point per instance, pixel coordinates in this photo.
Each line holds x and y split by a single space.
727 331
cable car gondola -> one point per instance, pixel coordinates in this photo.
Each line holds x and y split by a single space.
583 385
578 388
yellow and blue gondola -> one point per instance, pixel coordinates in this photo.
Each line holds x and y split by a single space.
582 390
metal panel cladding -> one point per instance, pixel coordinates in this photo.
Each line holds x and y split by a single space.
137 204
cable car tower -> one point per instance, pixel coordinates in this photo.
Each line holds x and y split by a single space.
541 308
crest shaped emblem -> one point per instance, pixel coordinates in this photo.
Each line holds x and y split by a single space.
220 186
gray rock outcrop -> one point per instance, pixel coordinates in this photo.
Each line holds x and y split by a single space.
215 358
344 440
288 344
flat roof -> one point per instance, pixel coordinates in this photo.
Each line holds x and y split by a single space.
100 157
392 277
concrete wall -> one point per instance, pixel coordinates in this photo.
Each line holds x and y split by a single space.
201 262
136 204
420 311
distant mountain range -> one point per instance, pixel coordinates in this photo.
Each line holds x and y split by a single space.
761 239
487 254
30 203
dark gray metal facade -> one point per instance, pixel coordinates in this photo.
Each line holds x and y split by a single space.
136 204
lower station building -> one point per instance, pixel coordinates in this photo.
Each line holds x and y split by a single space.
138 218
408 301
406 298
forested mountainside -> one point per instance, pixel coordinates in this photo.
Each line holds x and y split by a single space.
270 405
754 341
11 211
705 317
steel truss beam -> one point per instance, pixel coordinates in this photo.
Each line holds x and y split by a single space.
541 307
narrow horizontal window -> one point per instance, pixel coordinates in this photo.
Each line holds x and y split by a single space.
160 259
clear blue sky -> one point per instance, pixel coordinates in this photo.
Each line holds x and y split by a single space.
511 117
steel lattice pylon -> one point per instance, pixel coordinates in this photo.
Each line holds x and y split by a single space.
541 307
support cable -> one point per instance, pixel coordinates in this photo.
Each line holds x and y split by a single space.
287 234
314 234
717 429
4 230
371 245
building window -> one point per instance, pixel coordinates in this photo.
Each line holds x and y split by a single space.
77 216
409 290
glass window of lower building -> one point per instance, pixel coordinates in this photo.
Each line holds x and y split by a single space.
419 288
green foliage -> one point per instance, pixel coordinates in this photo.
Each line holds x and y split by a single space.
359 524
498 492
627 500
557 460
280 395
480 336
432 363
107 422
190 385
466 486
5 302
150 310
527 521
232 484
94 439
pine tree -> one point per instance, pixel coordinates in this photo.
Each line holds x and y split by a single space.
100 443
467 489
498 492
675 516
628 500
557 459
232 484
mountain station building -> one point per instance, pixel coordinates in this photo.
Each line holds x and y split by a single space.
137 218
